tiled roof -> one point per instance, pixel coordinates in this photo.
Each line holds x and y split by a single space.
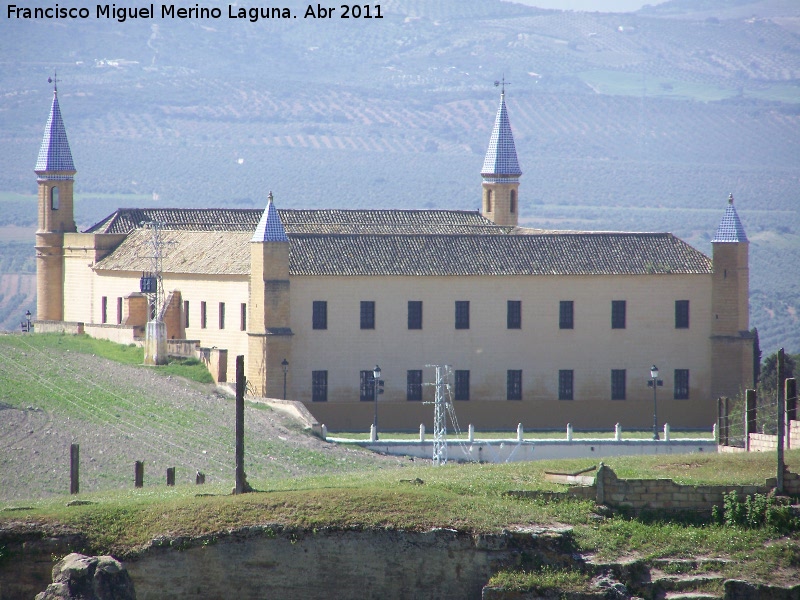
546 254
227 253
501 157
189 252
730 228
270 228
54 153
302 221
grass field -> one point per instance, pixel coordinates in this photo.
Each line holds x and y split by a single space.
412 496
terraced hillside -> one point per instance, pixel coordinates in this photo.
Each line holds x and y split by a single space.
634 121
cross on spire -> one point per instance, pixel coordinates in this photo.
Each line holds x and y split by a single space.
54 81
502 83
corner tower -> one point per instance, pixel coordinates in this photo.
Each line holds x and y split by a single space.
501 172
54 177
731 340
269 333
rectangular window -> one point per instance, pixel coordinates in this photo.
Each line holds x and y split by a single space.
222 315
681 387
243 317
462 314
415 314
681 314
414 385
462 385
618 314
186 314
565 314
514 385
319 314
319 386
366 388
565 389
618 384
514 314
202 315
367 314
104 309
119 310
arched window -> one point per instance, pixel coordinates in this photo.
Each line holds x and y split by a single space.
488 200
54 197
513 203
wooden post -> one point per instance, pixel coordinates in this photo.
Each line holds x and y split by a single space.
241 479
781 423
138 474
170 475
74 465
200 478
750 417
791 408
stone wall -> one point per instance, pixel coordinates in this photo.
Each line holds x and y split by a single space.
662 494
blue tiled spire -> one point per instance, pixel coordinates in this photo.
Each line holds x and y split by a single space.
730 228
500 164
270 228
54 153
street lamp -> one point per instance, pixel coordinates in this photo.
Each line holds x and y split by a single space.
28 317
285 365
654 383
376 376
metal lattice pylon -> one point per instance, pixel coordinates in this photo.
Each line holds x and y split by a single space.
441 406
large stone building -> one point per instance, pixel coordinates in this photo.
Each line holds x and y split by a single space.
540 327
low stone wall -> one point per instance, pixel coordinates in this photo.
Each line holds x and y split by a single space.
72 327
120 334
184 348
661 494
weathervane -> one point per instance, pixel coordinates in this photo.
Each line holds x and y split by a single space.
502 83
54 81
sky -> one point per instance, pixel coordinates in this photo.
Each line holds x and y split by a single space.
591 5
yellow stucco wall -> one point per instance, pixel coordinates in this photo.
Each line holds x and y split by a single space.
488 349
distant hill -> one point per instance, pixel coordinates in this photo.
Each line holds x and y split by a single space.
635 121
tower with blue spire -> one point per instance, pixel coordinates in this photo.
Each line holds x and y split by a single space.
501 172
54 177
732 342
269 333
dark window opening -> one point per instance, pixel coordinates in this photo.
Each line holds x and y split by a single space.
681 314
618 384
366 387
222 315
566 314
243 317
104 309
514 314
462 385
415 314
681 387
414 385
319 314
367 314
462 314
618 314
514 385
319 386
565 388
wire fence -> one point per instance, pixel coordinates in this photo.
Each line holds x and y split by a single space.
751 412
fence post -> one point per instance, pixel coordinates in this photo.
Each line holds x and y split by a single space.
74 466
569 432
138 474
422 432
750 416
199 478
781 422
241 486
519 432
791 408
170 475
722 420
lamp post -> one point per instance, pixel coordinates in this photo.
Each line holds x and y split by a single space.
285 365
654 383
376 375
28 317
